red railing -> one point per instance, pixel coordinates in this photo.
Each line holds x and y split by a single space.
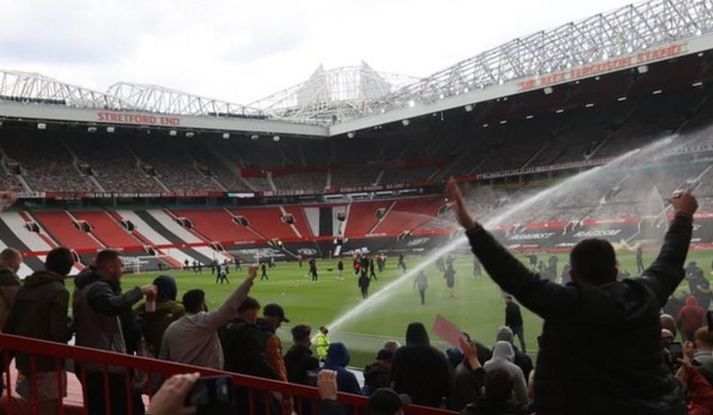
101 363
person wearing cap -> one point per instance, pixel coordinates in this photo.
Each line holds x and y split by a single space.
193 339
377 374
273 315
522 360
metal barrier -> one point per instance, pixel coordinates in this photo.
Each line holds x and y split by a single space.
100 369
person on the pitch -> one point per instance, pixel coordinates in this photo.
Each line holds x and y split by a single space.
421 282
477 268
313 269
364 285
263 271
372 268
450 277
402 263
222 275
340 269
237 264
640 268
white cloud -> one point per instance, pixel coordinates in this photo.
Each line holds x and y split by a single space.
242 51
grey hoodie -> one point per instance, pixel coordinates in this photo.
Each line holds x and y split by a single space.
503 355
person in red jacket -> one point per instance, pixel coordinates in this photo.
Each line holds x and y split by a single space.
691 317
698 391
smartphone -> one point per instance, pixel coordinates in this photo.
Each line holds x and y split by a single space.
211 390
676 351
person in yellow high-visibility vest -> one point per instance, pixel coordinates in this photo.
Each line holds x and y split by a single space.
321 343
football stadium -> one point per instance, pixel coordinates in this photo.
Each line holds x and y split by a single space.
348 244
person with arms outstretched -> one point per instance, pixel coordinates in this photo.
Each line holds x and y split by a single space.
593 313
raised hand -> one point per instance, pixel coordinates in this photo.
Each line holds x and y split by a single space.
455 196
684 203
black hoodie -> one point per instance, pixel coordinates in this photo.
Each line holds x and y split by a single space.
40 312
419 370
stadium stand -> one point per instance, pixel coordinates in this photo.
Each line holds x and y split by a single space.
266 222
218 225
108 231
65 229
113 165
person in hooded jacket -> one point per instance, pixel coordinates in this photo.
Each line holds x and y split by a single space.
419 370
337 360
154 323
594 312
691 317
40 311
503 356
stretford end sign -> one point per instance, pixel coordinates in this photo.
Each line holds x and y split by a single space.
598 68
139 119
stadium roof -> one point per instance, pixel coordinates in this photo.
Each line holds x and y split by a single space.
348 99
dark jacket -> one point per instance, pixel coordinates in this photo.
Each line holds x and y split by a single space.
9 284
154 324
468 385
513 316
40 311
419 370
244 348
376 376
101 312
337 360
523 361
301 365
578 372
486 407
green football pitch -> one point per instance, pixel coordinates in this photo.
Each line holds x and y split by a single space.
477 307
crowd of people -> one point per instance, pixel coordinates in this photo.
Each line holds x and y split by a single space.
608 345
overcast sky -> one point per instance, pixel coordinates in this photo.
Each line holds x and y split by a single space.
241 50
